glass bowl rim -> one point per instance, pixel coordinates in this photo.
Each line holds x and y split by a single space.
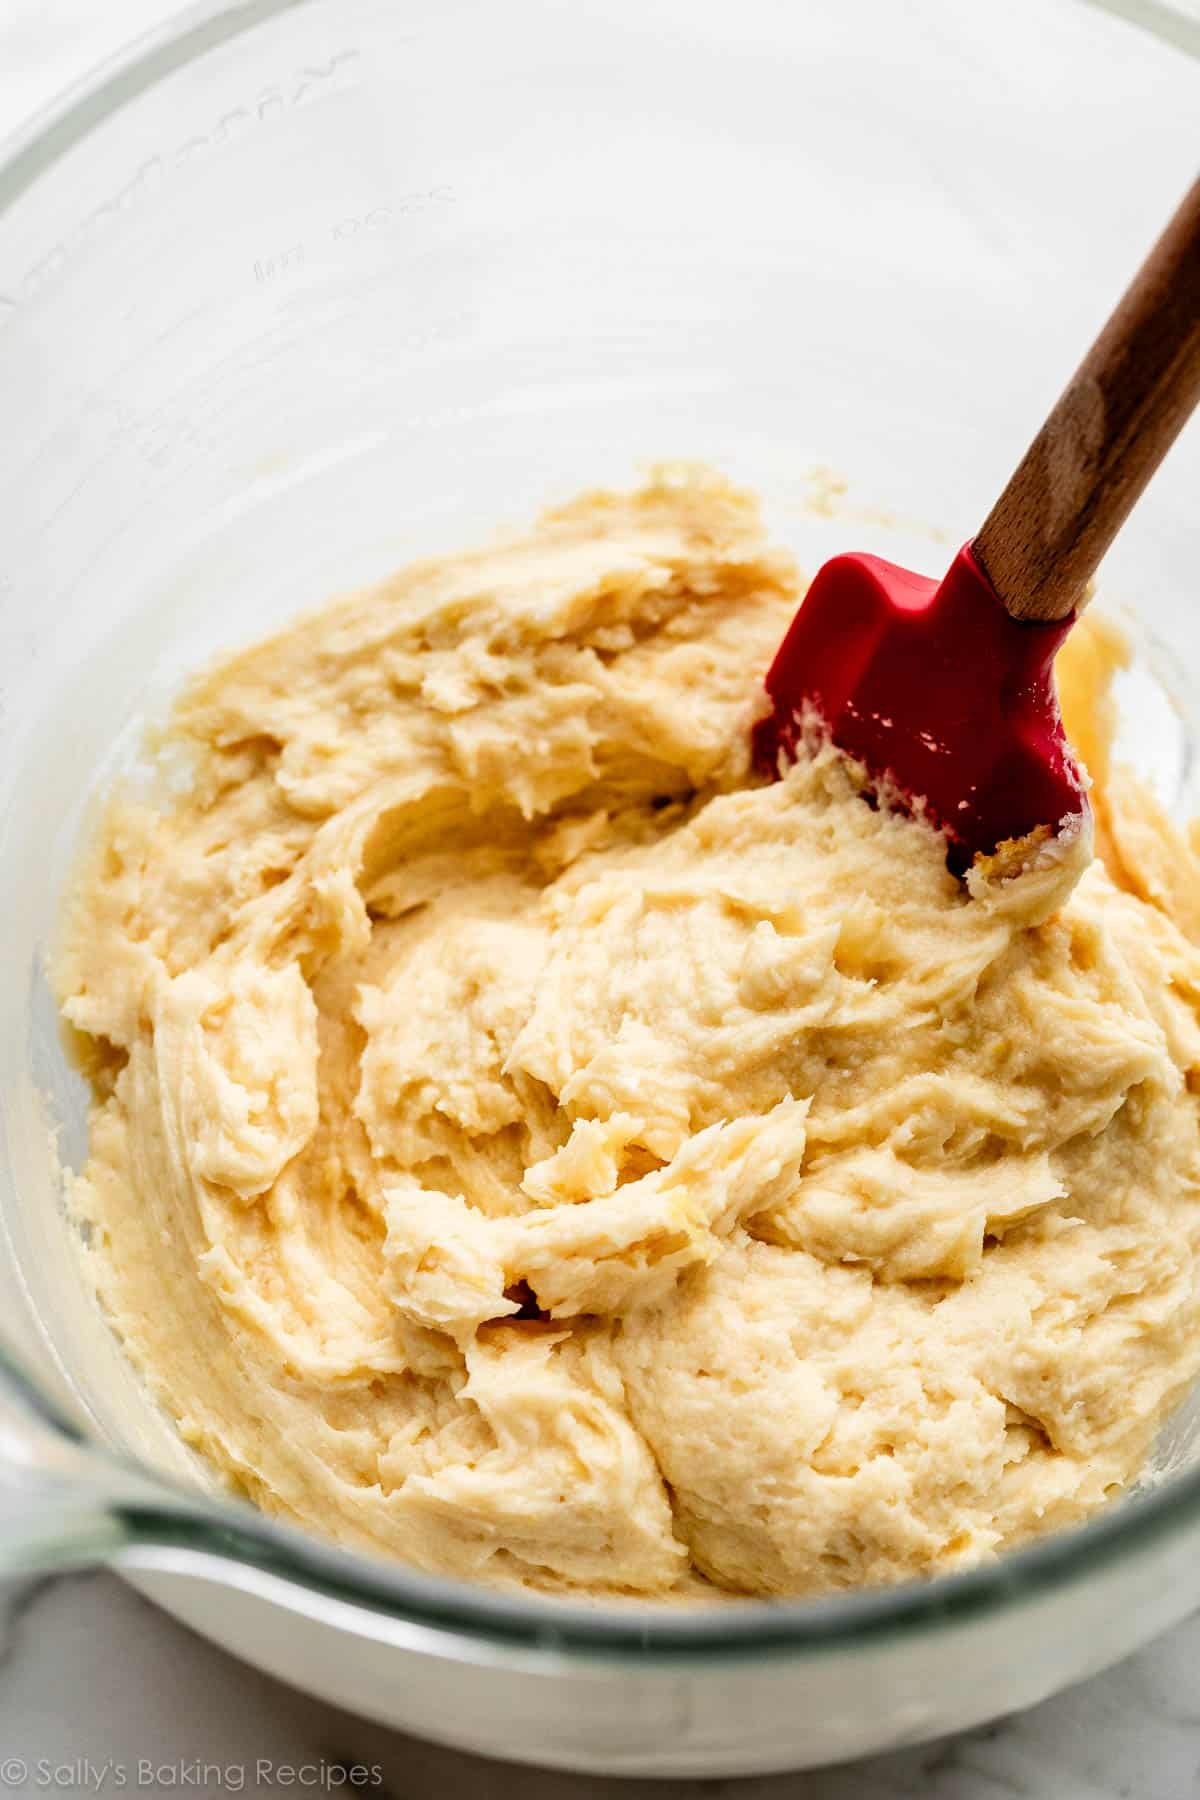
645 1630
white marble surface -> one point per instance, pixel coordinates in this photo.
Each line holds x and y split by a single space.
94 1682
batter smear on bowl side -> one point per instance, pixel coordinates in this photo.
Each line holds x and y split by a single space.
528 1145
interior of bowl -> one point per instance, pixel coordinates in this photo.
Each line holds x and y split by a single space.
294 293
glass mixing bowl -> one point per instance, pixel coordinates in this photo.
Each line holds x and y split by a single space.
290 292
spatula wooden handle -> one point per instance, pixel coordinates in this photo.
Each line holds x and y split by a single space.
1116 420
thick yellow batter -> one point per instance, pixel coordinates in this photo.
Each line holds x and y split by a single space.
526 1147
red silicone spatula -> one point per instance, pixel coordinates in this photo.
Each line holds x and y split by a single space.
945 690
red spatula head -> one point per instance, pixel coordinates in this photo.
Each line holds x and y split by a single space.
937 690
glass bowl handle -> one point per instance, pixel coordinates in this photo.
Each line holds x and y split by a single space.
61 1497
